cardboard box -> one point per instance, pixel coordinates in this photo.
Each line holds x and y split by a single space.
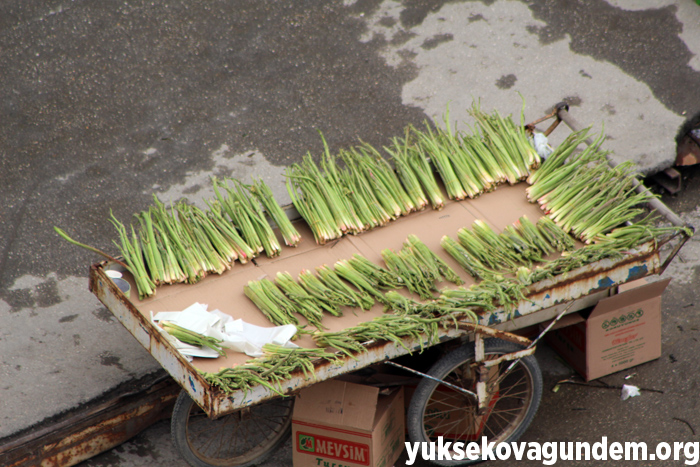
338 423
622 331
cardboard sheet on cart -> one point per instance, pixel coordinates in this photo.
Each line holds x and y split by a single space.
225 292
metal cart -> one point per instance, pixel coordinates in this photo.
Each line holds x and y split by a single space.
487 373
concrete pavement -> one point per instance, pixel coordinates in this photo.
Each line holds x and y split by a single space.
104 104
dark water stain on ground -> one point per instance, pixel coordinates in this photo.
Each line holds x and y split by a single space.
109 359
103 314
506 81
67 319
18 299
573 101
89 90
436 40
644 44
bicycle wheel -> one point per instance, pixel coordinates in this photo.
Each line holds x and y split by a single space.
437 410
244 438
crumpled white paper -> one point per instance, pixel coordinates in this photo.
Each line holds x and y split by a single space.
235 334
629 391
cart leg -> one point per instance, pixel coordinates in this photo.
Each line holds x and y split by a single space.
244 438
510 404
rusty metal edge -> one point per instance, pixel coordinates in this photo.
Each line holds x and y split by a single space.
149 336
93 429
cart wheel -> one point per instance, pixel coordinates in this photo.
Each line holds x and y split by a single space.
246 437
437 410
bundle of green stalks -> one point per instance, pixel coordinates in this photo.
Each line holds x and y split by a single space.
554 235
396 302
365 284
184 243
130 248
487 295
304 303
418 268
642 231
320 198
302 357
415 171
405 266
470 263
356 297
273 303
349 193
585 196
398 152
388 327
276 367
384 181
193 338
484 254
433 266
214 252
330 300
246 213
378 276
472 164
310 195
178 244
489 248
438 146
264 195
508 144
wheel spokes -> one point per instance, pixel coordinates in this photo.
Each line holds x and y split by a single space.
238 437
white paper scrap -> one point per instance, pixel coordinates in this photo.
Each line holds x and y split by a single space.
195 318
235 334
249 338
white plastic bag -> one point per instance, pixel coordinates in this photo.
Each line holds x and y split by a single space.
541 144
629 391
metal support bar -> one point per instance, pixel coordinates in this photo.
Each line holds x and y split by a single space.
481 371
432 378
491 332
673 253
534 343
509 357
554 321
554 113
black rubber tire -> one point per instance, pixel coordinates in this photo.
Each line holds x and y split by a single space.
260 429
525 377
